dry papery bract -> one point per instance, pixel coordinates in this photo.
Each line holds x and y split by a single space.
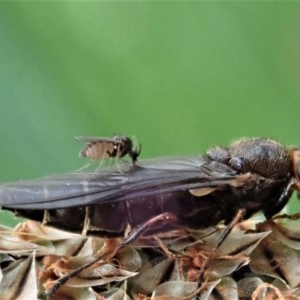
257 260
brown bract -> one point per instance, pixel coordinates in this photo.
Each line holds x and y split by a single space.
256 260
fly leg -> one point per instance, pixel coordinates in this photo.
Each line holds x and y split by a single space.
111 247
134 233
238 217
201 281
270 210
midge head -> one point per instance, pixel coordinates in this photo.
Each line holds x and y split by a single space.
126 146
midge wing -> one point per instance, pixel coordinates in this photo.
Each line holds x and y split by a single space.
89 139
122 182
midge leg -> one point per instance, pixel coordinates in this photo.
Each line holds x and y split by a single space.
110 249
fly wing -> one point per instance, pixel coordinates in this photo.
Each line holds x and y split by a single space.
122 182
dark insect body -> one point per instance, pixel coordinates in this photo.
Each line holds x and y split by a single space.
99 148
155 196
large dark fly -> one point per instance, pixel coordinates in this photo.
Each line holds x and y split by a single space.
159 195
198 191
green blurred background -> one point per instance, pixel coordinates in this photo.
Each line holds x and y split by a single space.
180 76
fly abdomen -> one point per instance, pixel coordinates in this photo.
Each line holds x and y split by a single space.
69 219
105 220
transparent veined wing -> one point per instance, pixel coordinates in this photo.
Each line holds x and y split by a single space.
117 183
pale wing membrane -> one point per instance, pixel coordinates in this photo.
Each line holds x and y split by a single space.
148 178
97 139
